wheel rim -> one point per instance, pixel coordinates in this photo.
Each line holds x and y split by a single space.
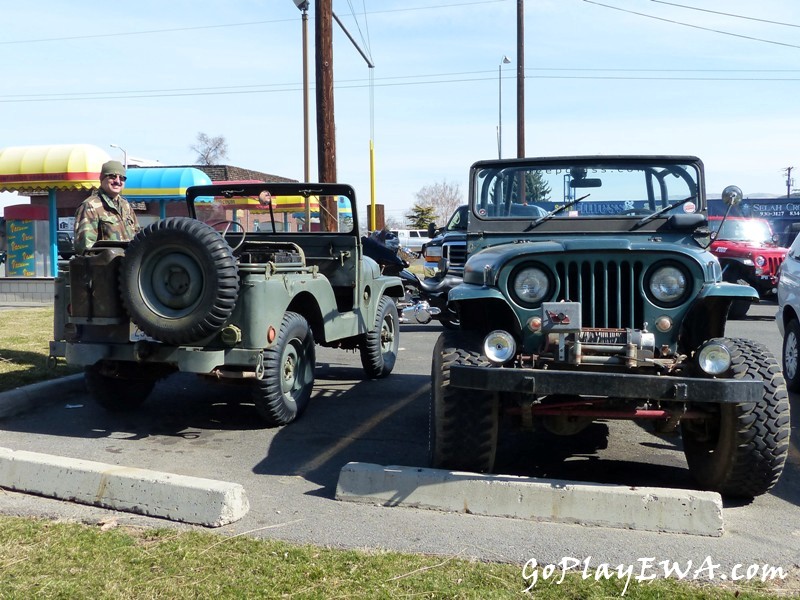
291 370
387 335
790 353
172 283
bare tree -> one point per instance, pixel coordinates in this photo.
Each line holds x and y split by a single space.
443 197
210 150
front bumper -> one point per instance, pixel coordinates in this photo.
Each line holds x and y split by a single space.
537 382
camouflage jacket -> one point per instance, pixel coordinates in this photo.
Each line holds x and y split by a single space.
101 218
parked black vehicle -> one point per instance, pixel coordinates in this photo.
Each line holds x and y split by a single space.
66 247
427 297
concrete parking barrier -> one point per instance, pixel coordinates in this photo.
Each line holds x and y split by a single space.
176 497
596 504
23 399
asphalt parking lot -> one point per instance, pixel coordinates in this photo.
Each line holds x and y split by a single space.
191 427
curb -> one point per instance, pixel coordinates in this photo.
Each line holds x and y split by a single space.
192 500
596 504
22 399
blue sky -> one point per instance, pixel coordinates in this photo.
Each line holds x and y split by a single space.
148 76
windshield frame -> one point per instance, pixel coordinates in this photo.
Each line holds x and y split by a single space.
197 199
689 168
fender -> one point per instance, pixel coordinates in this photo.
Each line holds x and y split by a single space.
728 290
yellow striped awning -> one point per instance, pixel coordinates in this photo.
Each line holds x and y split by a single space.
41 168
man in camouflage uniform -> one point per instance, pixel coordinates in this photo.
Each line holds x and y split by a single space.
105 215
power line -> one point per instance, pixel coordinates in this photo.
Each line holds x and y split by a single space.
738 35
225 25
724 14
449 78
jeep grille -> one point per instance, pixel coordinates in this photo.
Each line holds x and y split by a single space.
773 264
456 255
608 291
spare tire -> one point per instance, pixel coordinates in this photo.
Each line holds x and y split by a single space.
179 280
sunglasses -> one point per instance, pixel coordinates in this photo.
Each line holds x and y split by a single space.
120 177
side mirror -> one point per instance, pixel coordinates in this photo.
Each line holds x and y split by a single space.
431 230
732 195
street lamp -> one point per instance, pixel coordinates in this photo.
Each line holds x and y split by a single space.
124 154
302 5
505 61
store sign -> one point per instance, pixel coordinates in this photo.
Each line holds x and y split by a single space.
21 259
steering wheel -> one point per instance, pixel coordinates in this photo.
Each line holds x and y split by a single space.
228 225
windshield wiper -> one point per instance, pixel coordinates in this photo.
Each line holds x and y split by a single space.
554 212
658 213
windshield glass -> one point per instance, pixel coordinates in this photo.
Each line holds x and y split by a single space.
253 209
458 220
602 189
742 230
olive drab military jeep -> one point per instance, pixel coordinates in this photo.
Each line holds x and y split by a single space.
240 288
589 292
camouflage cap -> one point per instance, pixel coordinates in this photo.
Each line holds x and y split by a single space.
112 167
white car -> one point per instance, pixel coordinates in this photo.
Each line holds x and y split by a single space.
788 317
413 239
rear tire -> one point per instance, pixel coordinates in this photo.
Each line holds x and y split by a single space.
285 389
463 425
741 449
379 347
118 388
738 309
449 318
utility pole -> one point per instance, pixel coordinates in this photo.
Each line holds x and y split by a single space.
326 129
520 78
788 181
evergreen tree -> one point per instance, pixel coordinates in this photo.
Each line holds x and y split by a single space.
420 216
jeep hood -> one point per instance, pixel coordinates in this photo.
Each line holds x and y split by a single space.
493 258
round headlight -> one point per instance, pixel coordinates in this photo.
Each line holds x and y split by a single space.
668 285
531 285
499 346
714 358
760 261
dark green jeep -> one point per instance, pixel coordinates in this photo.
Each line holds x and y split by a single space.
239 288
589 293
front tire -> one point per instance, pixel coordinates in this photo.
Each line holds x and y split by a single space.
741 449
117 388
285 389
791 355
463 425
379 347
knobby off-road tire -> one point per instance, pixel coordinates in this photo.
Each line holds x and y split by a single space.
463 424
791 355
741 450
118 390
449 318
179 280
740 306
738 310
285 389
379 347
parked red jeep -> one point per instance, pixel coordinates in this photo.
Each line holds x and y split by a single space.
748 253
